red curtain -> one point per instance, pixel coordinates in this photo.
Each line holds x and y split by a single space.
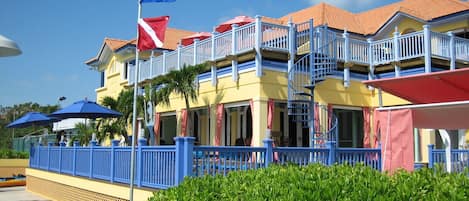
220 112
317 123
329 115
366 127
156 127
251 104
270 113
183 122
396 132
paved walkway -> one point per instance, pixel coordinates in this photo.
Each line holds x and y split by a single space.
18 194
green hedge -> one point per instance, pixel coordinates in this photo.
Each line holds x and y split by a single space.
317 182
12 154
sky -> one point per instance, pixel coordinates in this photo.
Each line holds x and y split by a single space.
57 37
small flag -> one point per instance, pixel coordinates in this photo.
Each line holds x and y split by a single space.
151 1
151 32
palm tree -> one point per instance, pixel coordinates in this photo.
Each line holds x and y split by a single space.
181 82
122 104
85 133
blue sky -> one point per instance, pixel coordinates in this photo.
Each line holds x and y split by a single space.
56 37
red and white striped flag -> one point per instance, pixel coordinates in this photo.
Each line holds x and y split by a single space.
151 32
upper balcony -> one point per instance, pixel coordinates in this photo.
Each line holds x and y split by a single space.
279 41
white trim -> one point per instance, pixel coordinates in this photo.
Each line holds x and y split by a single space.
150 32
356 108
166 114
455 103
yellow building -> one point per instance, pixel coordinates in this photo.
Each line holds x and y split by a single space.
321 53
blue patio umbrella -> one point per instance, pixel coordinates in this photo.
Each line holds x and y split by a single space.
32 119
85 109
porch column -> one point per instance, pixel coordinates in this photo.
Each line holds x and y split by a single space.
257 46
347 63
178 63
212 58
371 68
397 68
234 47
452 51
428 48
259 120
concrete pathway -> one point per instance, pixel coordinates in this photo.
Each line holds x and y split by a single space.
18 194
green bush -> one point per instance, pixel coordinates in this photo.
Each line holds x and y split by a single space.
318 182
12 154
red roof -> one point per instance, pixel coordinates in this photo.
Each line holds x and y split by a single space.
437 87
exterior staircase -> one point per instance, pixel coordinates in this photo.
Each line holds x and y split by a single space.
317 47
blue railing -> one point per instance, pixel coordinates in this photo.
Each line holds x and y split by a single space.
165 166
459 158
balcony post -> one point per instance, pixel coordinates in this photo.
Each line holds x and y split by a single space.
178 63
452 51
397 68
214 66
347 63
234 47
164 62
430 155
428 48
257 46
196 43
371 68
291 44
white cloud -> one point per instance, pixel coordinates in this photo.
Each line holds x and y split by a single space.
352 5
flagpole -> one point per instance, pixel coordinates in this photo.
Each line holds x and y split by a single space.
134 114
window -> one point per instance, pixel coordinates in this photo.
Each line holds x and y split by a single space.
125 71
102 79
350 123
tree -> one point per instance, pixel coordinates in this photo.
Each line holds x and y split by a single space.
180 82
9 114
122 104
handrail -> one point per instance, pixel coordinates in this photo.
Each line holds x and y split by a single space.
275 37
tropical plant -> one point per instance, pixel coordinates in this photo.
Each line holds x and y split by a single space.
85 133
123 104
180 82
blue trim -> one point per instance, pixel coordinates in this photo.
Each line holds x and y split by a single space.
275 65
356 76
406 72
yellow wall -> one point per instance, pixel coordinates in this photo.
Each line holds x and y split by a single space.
120 191
451 26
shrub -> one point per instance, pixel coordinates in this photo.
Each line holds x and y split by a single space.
318 182
12 154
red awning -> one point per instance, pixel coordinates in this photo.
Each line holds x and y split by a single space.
239 20
437 87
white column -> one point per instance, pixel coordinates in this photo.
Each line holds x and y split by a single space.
291 44
179 57
234 47
447 141
371 68
214 67
397 68
345 35
258 43
452 51
164 62
428 48
194 60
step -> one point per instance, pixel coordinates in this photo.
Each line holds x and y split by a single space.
303 94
